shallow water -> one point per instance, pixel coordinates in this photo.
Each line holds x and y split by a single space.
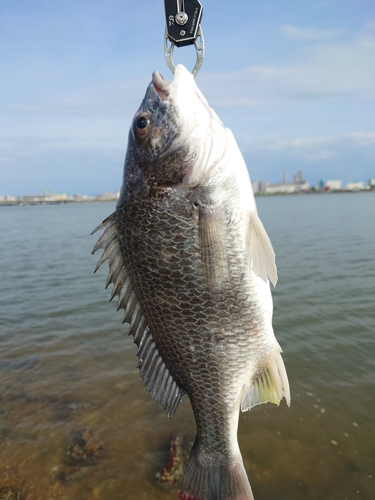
66 362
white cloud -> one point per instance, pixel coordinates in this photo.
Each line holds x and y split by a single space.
326 70
296 33
324 154
361 138
111 141
109 99
313 148
309 142
332 70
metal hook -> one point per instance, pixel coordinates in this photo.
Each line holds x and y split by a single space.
199 48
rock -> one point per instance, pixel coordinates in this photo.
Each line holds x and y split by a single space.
10 493
180 446
83 448
72 474
4 432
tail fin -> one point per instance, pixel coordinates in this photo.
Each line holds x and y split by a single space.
206 480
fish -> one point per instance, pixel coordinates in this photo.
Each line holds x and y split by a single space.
191 264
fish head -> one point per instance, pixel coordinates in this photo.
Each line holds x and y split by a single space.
175 137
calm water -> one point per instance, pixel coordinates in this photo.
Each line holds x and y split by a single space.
67 363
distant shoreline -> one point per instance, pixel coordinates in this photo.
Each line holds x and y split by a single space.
318 191
12 203
51 202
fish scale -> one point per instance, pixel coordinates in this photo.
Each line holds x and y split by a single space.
190 262
173 323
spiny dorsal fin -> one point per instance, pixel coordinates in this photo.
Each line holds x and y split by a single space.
270 386
260 251
154 373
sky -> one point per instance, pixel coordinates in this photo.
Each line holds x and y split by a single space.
293 79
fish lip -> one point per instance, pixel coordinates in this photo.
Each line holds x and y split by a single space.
160 85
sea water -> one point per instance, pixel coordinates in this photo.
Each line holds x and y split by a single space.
67 363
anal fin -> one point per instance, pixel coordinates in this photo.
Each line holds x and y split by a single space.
270 386
156 376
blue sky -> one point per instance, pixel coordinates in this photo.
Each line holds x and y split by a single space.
293 80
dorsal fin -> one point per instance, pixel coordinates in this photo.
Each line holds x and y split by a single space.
154 373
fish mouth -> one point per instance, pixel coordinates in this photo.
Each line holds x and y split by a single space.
163 88
160 85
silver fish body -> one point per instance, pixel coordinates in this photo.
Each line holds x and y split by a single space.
190 262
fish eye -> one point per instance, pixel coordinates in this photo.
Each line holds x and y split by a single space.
142 122
142 125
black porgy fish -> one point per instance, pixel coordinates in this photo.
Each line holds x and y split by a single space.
191 263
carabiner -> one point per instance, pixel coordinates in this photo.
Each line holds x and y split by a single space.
183 19
199 48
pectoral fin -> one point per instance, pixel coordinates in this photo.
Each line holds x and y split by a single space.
212 245
260 251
